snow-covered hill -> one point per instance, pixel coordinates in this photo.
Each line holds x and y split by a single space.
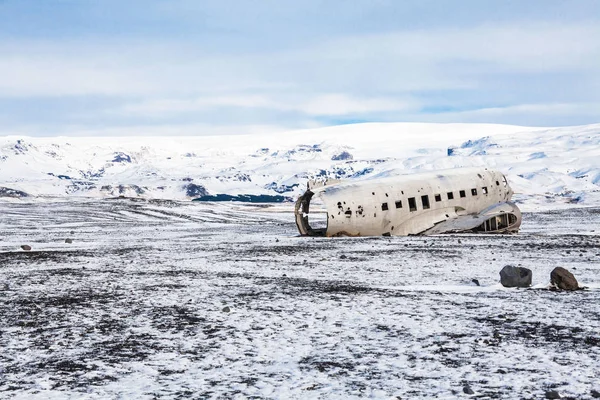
546 166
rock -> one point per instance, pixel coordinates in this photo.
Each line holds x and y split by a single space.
26 247
343 156
467 389
121 158
8 192
595 394
343 257
475 281
552 394
72 232
193 190
563 279
69 241
515 276
226 309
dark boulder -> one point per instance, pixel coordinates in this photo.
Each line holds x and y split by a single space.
69 241
552 394
26 247
515 276
563 279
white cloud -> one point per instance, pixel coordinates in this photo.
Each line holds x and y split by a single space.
551 114
339 104
432 59
318 105
156 130
386 76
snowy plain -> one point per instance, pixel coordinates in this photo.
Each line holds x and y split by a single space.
193 300
158 296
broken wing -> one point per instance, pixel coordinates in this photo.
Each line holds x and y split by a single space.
498 218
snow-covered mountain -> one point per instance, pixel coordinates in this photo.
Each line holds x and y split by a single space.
545 166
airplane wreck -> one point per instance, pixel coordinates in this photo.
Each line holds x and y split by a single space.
469 200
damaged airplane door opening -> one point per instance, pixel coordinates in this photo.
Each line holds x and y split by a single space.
469 200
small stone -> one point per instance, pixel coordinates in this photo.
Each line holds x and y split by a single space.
552 394
467 389
475 281
276 240
226 309
343 257
26 247
72 232
595 394
69 241
563 279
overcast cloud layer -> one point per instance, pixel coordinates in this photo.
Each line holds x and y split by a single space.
209 67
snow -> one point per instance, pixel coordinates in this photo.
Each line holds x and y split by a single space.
134 307
547 167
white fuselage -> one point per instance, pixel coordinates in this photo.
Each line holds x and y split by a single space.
410 204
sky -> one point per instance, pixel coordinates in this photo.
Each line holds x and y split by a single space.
183 67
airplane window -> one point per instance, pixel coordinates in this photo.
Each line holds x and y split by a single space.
450 196
399 204
425 202
438 197
384 206
474 192
462 193
484 190
412 204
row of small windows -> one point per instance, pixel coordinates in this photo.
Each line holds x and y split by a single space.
412 202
